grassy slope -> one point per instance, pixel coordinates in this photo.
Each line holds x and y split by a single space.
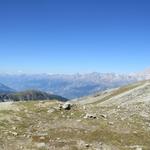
67 129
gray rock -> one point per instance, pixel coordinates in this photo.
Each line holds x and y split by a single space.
136 147
84 108
87 145
72 114
59 107
14 133
79 120
103 116
90 116
41 145
111 123
42 138
51 110
14 128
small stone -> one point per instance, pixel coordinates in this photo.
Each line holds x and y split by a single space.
134 132
84 108
42 138
41 145
28 136
51 110
26 111
14 128
110 123
14 133
79 120
87 145
104 116
138 148
122 119
118 107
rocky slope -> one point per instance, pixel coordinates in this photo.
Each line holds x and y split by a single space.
117 119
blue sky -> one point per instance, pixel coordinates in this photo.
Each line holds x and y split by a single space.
69 36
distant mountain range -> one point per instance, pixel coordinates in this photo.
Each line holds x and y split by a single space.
71 86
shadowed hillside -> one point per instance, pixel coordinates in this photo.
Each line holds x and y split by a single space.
30 95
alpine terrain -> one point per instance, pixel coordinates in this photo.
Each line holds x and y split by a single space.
115 119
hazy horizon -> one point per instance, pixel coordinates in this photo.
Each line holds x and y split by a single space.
71 73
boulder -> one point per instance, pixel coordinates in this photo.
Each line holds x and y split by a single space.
67 106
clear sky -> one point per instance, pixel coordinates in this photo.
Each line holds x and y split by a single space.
69 36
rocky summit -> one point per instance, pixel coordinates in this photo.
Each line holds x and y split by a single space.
116 119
